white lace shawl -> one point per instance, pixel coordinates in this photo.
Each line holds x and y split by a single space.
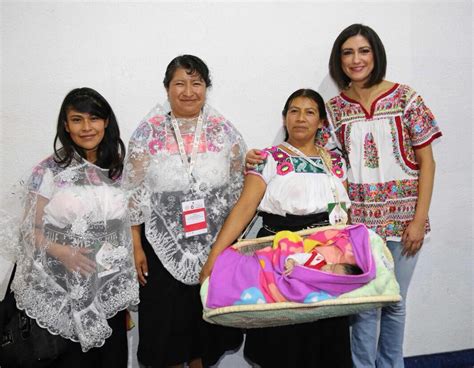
73 209
158 184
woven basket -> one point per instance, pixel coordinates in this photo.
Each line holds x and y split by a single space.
287 313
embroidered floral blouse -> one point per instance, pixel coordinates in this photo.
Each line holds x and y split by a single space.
158 184
379 146
296 187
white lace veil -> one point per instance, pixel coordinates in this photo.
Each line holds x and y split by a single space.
75 264
10 216
158 185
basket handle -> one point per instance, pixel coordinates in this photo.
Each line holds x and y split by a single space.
244 242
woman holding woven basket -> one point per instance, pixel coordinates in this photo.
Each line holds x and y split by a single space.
300 185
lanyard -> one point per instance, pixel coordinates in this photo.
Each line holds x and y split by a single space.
188 165
306 158
327 169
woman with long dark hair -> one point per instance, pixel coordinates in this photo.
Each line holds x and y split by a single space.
75 274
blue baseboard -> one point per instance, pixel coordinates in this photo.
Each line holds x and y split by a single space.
452 359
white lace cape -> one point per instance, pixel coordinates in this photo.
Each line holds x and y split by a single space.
74 208
158 184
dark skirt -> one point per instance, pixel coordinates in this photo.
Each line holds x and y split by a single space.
114 352
40 349
171 328
324 343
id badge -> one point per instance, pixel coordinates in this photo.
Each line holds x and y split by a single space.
337 213
194 218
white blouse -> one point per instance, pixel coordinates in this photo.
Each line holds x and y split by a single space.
97 203
296 187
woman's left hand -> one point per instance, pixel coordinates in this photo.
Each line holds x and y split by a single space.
412 238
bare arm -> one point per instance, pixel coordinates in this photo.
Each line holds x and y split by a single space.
139 255
239 217
415 232
136 169
348 210
345 185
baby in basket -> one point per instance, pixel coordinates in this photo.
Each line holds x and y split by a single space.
276 273
327 258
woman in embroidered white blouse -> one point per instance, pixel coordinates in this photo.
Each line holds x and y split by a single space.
385 130
295 188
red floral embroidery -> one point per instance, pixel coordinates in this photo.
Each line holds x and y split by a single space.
371 155
284 164
284 168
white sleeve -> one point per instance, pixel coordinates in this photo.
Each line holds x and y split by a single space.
300 258
46 188
266 170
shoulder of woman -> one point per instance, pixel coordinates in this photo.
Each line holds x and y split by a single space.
144 129
218 123
334 101
155 119
276 152
335 98
48 167
336 157
404 88
156 115
338 163
271 149
405 92
214 118
49 163
335 108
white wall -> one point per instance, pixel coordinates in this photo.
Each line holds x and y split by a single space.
258 54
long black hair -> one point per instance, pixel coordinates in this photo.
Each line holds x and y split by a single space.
111 150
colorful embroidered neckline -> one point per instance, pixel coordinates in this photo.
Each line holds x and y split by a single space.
370 115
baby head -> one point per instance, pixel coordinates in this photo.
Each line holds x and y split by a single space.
342 269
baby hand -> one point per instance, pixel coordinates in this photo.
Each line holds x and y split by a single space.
289 265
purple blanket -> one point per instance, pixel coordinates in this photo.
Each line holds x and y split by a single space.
242 279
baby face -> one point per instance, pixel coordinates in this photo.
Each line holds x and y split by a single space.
336 268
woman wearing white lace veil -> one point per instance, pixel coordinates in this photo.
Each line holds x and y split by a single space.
75 274
185 172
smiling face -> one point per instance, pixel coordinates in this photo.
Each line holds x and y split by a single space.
186 93
357 59
302 120
86 131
